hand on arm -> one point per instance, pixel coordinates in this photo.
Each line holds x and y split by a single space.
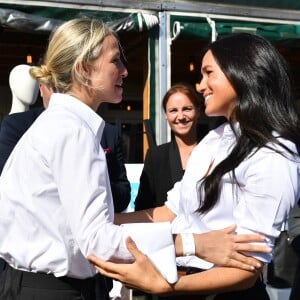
223 248
133 275
144 276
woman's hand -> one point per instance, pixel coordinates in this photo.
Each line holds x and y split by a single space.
133 275
223 248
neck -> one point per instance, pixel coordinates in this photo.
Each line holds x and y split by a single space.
187 141
18 106
185 147
83 95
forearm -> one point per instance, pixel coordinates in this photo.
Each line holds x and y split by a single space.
157 214
133 217
216 280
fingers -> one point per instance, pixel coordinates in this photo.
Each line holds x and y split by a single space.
246 243
132 248
244 262
247 238
243 238
252 248
229 229
95 260
244 266
104 267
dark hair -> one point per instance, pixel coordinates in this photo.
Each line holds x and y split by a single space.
186 89
260 78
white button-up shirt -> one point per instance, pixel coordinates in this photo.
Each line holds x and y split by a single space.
268 188
55 200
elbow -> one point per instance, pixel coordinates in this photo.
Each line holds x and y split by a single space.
249 281
243 280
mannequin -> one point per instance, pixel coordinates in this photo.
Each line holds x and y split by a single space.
23 87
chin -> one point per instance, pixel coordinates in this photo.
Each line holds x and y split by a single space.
116 101
210 113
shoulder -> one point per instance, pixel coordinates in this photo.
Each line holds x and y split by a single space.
22 119
161 151
161 148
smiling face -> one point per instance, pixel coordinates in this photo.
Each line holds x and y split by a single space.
107 73
219 95
181 114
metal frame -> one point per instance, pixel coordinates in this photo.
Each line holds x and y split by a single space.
175 5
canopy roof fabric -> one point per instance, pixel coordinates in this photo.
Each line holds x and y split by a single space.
43 19
40 17
286 4
200 27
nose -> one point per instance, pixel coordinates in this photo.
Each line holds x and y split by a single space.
123 70
180 115
200 86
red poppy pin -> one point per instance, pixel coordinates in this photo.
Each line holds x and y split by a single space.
107 151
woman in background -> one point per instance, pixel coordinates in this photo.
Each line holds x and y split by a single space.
165 164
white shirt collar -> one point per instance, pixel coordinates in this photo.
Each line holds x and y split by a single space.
78 107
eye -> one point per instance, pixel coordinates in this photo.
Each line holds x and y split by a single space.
206 71
188 108
116 61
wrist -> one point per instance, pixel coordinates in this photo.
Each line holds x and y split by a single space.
188 244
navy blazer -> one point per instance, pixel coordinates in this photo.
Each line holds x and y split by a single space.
112 144
162 169
15 125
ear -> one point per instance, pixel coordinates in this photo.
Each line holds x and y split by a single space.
82 70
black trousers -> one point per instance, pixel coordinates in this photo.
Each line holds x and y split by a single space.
295 293
19 285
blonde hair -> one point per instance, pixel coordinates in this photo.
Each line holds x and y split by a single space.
72 48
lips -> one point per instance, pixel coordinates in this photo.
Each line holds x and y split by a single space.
183 125
207 96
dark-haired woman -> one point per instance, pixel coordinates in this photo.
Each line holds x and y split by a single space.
246 171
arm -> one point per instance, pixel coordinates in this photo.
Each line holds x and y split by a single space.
215 280
157 214
220 247
211 281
